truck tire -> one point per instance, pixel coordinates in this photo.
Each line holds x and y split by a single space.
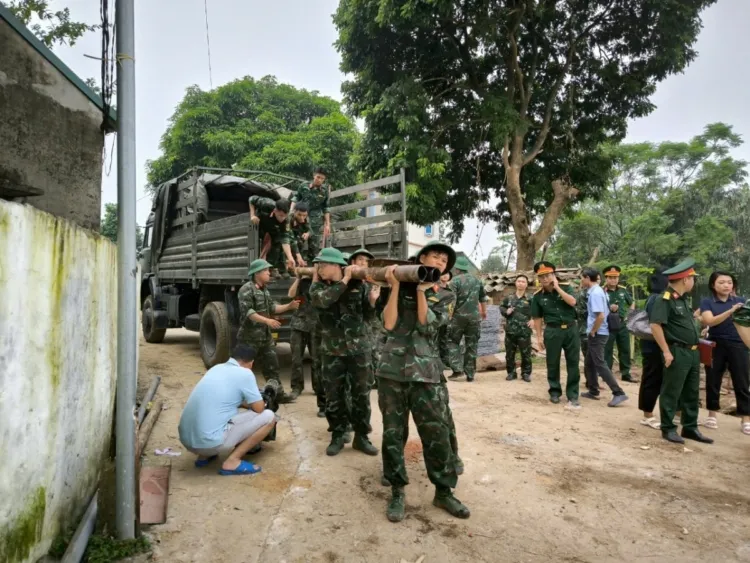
150 333
215 334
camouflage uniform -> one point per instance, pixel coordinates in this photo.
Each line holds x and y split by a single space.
622 298
447 300
345 353
299 245
517 334
317 202
376 334
465 323
304 323
410 381
254 299
444 335
280 233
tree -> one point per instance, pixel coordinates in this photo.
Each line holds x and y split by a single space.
511 97
109 225
50 27
500 257
258 125
665 202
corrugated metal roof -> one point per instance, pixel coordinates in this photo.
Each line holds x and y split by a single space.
44 51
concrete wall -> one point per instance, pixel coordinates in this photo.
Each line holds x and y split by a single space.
58 318
50 136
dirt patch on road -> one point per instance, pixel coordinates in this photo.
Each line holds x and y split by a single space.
543 484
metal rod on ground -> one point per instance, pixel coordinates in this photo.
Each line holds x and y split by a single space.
147 398
405 274
80 540
146 429
127 321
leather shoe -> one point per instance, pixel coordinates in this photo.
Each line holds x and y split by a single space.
672 436
511 377
526 378
694 434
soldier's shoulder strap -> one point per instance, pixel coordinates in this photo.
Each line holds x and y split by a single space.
565 284
622 287
667 296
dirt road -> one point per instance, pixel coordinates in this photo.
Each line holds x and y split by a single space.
543 484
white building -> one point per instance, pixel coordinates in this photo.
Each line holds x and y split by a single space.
418 236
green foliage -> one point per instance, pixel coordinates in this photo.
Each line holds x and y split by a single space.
501 256
101 548
665 202
257 125
50 27
501 97
109 225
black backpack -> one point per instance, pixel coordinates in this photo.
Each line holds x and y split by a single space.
614 320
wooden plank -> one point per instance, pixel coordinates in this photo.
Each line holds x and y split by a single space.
183 221
185 202
235 261
233 242
226 252
368 220
154 488
366 203
223 274
367 186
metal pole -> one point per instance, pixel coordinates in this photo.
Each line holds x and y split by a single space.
126 271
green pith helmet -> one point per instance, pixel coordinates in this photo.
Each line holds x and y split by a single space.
258 266
330 256
360 252
462 264
439 247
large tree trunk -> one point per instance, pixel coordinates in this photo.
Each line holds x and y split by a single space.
529 242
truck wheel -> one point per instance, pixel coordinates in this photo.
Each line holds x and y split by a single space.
150 333
216 334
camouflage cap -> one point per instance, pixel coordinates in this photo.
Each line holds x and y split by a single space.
258 266
438 246
330 256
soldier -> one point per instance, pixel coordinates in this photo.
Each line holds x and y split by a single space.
361 258
409 382
582 310
257 322
274 232
444 331
516 309
620 301
555 303
470 310
300 234
303 326
677 336
343 305
315 195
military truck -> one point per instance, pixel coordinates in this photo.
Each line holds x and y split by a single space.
199 243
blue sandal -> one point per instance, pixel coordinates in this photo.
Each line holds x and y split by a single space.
244 468
205 462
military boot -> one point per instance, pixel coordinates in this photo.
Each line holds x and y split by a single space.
449 503
385 482
511 377
336 445
363 444
397 505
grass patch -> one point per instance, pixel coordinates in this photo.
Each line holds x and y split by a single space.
101 548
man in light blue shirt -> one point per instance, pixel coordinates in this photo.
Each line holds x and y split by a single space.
212 423
597 332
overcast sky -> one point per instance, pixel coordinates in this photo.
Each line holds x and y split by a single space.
293 40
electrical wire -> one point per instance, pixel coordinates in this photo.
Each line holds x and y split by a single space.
208 45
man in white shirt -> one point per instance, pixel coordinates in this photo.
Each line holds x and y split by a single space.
212 423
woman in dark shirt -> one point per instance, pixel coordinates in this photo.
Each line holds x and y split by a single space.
730 352
653 361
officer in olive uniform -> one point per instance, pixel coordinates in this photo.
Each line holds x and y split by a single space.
555 303
620 301
677 336
516 309
257 324
303 326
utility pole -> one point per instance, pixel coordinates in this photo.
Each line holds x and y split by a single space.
126 272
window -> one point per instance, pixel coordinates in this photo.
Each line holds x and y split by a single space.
428 231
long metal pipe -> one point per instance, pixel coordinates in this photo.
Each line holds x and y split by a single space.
127 318
405 274
147 398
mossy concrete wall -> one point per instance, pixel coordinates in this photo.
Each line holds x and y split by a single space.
58 320
50 134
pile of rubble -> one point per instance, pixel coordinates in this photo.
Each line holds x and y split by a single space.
497 286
